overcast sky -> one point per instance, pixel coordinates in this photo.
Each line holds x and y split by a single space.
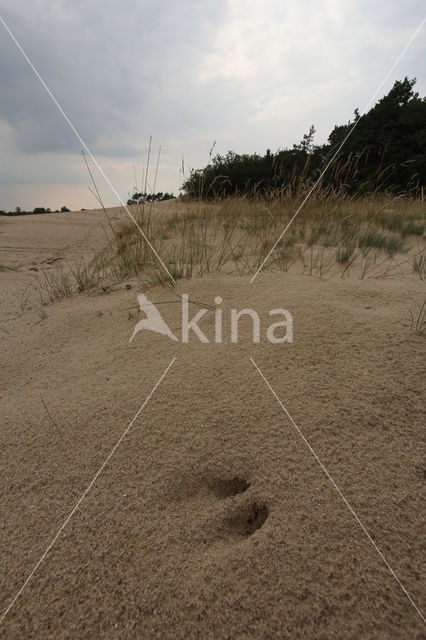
249 75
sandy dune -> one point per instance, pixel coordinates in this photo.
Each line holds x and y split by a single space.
212 518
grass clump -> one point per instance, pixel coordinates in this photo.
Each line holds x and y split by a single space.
57 282
418 324
238 234
419 264
332 230
344 254
372 238
65 280
412 228
393 244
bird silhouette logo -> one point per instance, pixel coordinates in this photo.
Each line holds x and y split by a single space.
153 320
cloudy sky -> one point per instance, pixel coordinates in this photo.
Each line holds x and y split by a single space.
249 75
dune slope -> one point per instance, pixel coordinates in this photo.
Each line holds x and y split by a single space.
212 518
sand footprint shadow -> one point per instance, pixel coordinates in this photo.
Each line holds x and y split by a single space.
228 487
225 507
242 519
247 519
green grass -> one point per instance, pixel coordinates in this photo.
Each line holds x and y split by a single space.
412 228
393 244
372 238
236 235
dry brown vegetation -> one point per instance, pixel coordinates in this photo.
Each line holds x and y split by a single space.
332 234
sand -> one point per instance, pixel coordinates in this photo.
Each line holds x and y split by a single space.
212 518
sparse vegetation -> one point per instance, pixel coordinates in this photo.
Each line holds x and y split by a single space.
419 264
254 212
332 232
4 268
57 282
418 323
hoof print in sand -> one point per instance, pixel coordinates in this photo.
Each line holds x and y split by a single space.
229 488
248 519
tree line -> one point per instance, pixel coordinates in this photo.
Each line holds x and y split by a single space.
385 151
20 212
138 198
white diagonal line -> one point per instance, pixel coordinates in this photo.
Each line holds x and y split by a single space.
330 162
85 492
340 493
89 153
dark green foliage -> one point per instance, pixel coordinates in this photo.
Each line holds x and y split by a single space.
138 198
386 151
37 210
235 174
390 141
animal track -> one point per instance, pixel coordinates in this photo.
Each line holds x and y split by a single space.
243 519
229 488
248 519
237 516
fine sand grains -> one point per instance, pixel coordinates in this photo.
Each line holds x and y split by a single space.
212 519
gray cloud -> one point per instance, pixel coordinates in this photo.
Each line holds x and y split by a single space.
104 62
246 74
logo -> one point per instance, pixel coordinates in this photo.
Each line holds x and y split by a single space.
155 322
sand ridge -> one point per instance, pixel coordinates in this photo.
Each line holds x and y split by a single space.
213 519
